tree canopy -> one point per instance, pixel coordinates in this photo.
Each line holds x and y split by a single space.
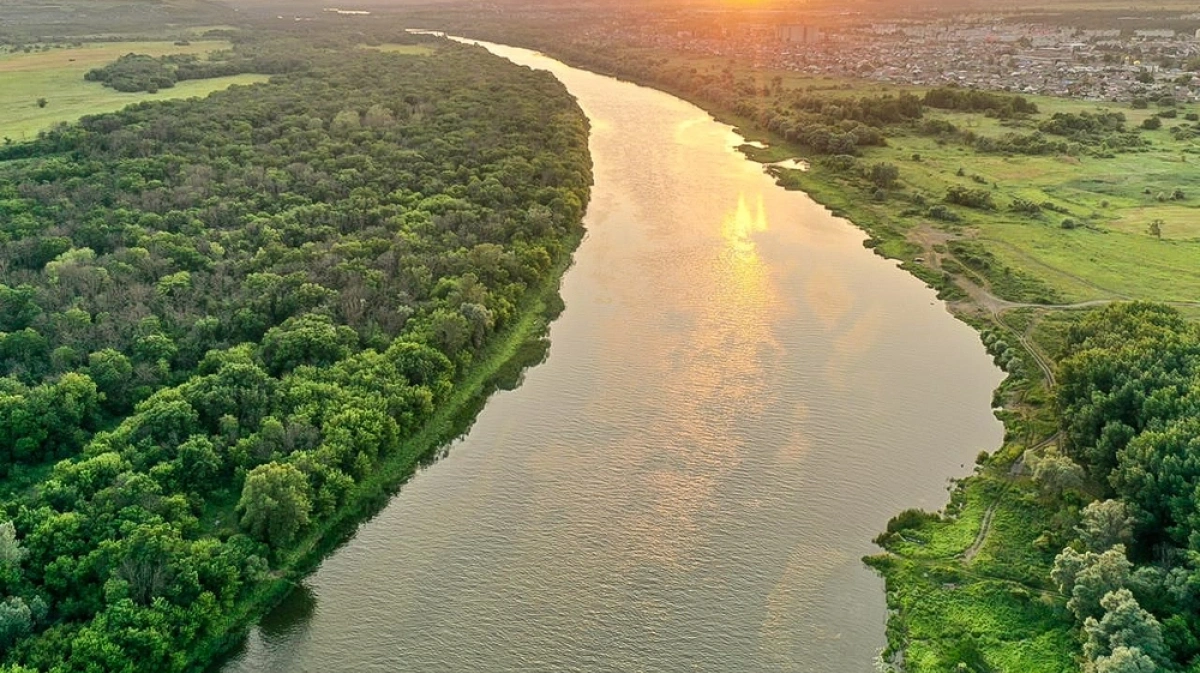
219 315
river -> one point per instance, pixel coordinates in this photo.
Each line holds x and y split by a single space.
737 398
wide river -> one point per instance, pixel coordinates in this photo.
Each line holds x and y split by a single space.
738 397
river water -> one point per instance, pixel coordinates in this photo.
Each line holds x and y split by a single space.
737 398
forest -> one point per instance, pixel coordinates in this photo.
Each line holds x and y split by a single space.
1128 475
218 316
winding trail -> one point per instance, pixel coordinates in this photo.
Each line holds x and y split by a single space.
980 294
985 525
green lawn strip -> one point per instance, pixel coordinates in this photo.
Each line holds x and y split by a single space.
498 366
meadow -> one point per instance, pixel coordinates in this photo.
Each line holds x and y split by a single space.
56 75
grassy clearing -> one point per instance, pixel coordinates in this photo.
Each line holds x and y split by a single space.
57 76
406 49
1111 254
993 612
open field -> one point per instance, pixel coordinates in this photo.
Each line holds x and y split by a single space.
57 76
25 21
406 49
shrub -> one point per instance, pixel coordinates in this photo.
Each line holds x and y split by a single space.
980 199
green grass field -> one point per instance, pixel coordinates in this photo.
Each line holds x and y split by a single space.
406 49
57 76
1112 255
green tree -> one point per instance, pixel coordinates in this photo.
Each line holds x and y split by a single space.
275 503
307 340
1056 475
113 375
16 621
1089 577
1124 625
11 552
1125 660
1105 523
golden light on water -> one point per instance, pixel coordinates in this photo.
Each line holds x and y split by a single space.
716 378
740 226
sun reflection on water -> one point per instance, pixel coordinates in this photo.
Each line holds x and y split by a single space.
740 226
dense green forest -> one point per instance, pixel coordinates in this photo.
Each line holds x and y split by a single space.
1129 480
218 315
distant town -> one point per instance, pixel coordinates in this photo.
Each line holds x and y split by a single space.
1106 64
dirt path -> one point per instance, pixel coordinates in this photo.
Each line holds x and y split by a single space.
1014 471
972 551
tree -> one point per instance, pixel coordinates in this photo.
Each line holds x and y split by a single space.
11 553
1088 577
1124 625
1155 228
16 621
1105 523
1056 474
379 116
450 331
309 339
275 503
113 375
1124 660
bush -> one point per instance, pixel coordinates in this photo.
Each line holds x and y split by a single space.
884 175
1152 123
909 519
941 212
1020 205
979 199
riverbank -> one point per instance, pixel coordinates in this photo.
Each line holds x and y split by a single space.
499 367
